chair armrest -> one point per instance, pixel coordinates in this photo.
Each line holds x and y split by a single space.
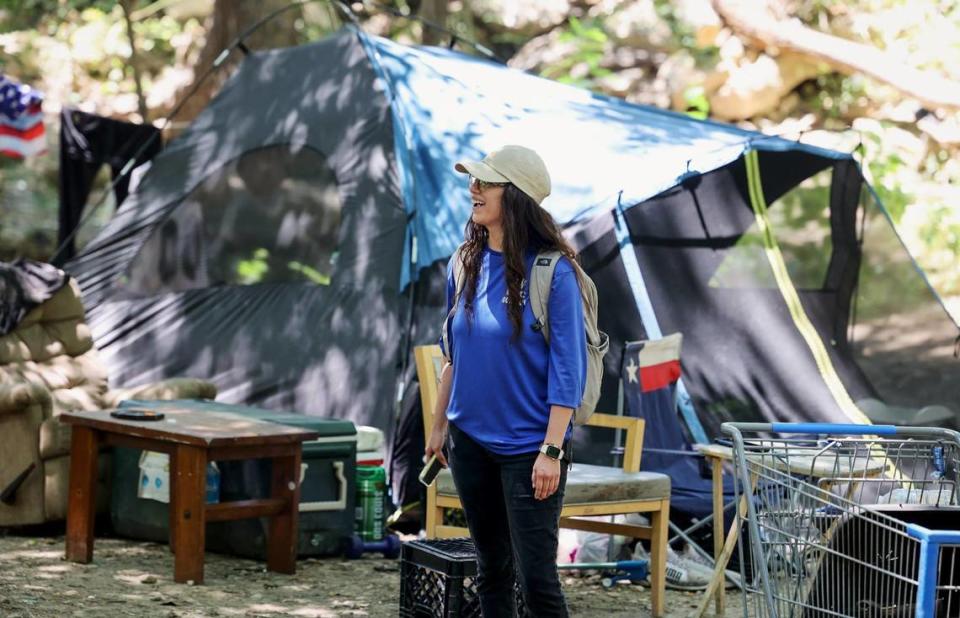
633 444
174 388
16 397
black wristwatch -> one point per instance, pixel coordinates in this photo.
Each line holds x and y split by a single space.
552 451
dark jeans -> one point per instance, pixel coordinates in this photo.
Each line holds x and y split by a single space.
510 528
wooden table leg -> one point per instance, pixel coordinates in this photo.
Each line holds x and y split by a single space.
717 470
719 575
282 537
82 498
173 510
188 484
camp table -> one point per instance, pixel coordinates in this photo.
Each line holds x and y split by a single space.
191 439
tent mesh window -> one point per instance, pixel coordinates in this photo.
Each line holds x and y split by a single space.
800 220
270 216
867 327
724 263
902 335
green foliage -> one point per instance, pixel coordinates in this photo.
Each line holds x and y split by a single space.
28 211
940 233
684 36
44 15
837 96
94 35
814 11
885 166
581 67
698 106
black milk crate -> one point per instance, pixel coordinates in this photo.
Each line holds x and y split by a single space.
438 579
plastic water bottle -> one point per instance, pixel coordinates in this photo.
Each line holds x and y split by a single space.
939 463
213 483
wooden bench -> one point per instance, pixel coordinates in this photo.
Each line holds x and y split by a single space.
191 438
590 490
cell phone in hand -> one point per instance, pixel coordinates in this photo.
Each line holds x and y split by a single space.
430 471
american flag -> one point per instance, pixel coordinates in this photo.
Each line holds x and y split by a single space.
21 120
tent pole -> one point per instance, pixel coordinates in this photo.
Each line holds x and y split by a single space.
408 332
618 433
648 316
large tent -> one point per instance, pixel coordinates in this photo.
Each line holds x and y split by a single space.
290 244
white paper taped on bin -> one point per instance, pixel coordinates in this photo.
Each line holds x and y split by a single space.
154 477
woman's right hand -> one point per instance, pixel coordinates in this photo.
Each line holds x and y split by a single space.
438 437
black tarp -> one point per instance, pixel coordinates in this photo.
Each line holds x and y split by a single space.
87 142
25 284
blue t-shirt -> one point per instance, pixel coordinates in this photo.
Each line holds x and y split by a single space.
502 389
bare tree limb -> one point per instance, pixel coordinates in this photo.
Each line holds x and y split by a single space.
229 19
434 11
753 20
127 6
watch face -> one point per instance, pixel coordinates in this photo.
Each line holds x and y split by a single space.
552 451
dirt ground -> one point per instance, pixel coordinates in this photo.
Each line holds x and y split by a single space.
131 578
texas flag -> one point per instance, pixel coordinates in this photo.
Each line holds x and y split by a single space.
650 372
21 120
653 365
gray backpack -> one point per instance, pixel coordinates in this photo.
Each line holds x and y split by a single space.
541 277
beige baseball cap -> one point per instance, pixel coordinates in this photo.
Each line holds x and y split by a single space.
517 164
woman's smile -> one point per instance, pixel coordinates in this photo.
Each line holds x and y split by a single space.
486 205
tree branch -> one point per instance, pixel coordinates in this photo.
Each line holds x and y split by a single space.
434 11
127 6
753 20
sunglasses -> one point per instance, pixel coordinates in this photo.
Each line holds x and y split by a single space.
483 185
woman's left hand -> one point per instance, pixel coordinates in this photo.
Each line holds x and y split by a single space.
546 477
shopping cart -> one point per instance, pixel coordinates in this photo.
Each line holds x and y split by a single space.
848 520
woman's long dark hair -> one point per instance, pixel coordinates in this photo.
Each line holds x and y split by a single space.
526 227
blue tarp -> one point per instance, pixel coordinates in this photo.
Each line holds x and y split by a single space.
448 106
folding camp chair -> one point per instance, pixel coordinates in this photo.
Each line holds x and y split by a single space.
648 390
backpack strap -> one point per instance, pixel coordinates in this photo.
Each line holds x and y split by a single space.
459 278
541 278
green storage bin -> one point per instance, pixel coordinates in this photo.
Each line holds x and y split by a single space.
327 496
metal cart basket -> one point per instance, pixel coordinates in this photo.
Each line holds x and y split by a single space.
848 520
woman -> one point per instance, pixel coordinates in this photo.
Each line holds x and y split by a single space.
506 396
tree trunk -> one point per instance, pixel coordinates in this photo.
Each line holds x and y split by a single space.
230 18
434 11
757 23
127 6
756 88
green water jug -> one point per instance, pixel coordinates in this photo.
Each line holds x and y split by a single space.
371 491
